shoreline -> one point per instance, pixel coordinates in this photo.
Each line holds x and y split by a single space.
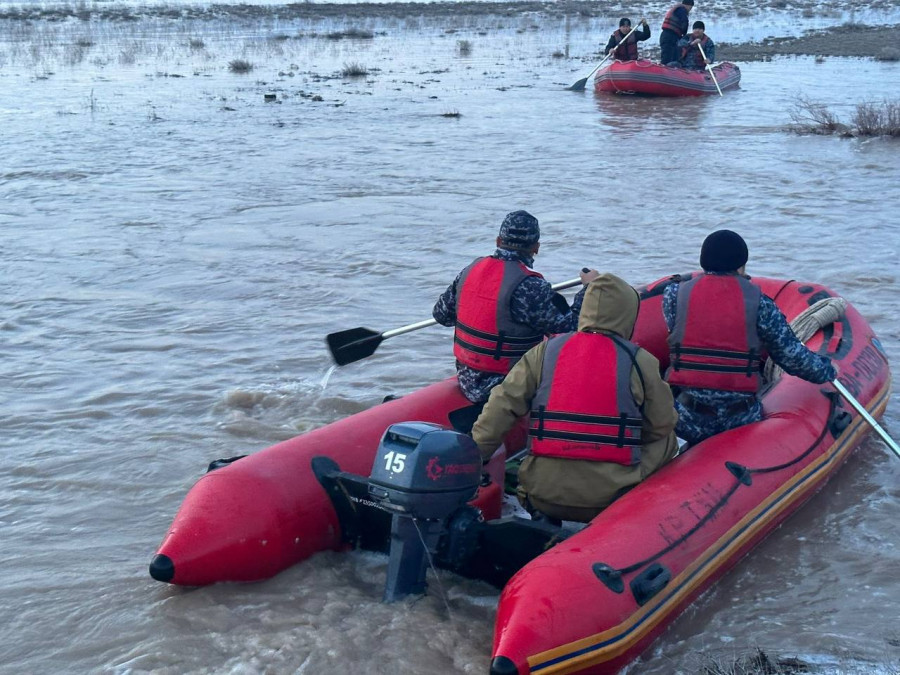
849 39
574 9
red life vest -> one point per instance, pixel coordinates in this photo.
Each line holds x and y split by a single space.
674 24
714 343
487 338
691 56
583 407
626 50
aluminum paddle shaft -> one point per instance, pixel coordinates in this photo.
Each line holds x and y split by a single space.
354 344
709 69
579 86
842 390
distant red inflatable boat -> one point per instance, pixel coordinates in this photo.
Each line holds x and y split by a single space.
597 599
653 79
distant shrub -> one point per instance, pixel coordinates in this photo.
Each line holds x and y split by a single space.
84 43
196 43
354 70
877 119
558 55
240 66
869 119
813 118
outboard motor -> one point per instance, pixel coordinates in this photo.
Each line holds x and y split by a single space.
421 475
414 507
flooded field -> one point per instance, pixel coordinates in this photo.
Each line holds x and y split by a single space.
178 238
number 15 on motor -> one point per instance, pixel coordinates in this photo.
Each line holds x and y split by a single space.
395 462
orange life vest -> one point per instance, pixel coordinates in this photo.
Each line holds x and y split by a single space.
714 343
486 337
675 24
626 49
583 407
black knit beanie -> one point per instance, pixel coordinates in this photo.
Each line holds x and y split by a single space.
723 251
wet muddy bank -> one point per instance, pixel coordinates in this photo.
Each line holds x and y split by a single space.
368 21
879 42
402 10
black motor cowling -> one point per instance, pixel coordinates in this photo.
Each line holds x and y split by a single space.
422 474
414 507
424 471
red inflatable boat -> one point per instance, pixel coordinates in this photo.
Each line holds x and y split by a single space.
653 79
595 600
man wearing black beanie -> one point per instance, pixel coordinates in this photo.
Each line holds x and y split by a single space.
720 326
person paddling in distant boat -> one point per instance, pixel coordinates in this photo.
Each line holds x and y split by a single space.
691 55
625 45
501 308
674 27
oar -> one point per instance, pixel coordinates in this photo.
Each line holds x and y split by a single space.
709 68
842 390
579 86
351 345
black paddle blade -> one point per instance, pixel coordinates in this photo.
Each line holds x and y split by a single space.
352 345
578 86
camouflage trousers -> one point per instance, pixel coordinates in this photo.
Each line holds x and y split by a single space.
695 426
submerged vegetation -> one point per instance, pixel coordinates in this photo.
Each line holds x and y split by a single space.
351 34
868 119
354 70
240 66
757 663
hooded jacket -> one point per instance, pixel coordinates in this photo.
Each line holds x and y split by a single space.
574 489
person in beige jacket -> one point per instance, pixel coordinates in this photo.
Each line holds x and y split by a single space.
576 488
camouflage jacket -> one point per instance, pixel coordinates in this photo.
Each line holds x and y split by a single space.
534 303
776 336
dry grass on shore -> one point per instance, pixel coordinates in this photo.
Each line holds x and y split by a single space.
868 119
758 663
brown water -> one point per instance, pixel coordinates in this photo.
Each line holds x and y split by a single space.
175 249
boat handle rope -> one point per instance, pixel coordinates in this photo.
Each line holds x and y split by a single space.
836 423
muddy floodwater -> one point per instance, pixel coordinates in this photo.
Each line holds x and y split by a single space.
178 238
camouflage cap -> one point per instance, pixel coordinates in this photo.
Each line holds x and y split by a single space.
520 230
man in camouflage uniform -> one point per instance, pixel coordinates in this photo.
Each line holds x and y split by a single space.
702 411
532 304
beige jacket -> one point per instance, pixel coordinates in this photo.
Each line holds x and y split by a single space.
579 489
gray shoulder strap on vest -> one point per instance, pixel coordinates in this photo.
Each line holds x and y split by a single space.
627 347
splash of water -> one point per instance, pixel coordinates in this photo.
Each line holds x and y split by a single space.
327 376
